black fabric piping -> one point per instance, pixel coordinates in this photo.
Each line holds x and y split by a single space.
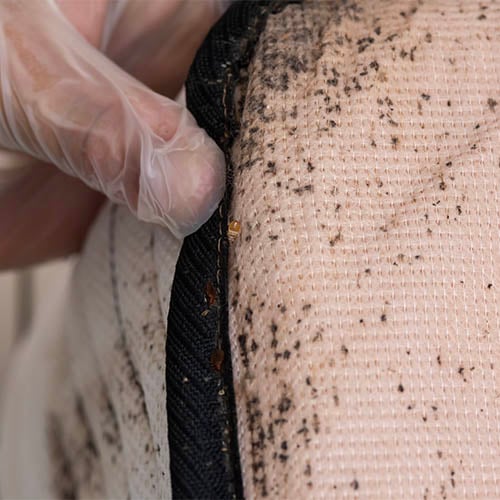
202 431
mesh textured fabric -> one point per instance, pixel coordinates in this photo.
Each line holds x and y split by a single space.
364 287
85 413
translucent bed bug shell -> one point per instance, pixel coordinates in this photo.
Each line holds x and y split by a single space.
233 230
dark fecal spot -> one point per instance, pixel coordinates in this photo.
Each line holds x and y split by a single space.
302 189
274 327
333 241
284 404
306 307
490 285
383 318
310 166
296 346
428 37
355 484
248 315
438 359
271 168
401 388
273 237
492 104
425 97
344 350
307 470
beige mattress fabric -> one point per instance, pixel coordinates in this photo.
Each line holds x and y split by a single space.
365 283
84 412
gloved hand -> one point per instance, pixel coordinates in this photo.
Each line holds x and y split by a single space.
67 104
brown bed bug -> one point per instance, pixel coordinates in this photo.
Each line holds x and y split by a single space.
233 230
216 359
210 294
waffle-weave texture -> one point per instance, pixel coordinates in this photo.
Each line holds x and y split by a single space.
364 287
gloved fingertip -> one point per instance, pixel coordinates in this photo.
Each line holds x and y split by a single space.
183 186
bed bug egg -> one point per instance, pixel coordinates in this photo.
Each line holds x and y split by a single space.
233 230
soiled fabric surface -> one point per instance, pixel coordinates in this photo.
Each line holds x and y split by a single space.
85 407
364 287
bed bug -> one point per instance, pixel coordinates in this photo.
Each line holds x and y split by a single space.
233 230
210 294
216 359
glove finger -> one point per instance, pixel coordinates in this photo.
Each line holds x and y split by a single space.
65 103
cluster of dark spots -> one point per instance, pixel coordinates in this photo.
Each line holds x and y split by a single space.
425 97
284 404
270 168
304 431
364 43
403 54
63 480
306 307
310 166
492 104
258 444
303 189
242 342
461 372
452 478
274 340
338 237
282 308
248 315
355 484
315 423
273 237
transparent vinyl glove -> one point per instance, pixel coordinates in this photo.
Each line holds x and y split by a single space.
67 104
